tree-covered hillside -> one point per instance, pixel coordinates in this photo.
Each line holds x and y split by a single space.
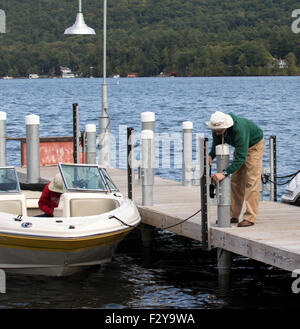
191 37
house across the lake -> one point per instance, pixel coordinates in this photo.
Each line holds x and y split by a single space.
66 72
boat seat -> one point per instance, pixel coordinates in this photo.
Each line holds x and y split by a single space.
90 207
13 204
11 207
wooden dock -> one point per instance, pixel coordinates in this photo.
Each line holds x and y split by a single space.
274 240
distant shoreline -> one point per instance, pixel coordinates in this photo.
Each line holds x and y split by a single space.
159 77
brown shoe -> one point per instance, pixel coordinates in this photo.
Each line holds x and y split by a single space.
245 223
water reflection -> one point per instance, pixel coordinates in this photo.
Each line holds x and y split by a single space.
174 273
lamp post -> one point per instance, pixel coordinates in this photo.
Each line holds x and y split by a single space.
104 120
80 27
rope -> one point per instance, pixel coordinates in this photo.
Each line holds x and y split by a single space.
266 178
197 212
162 228
291 175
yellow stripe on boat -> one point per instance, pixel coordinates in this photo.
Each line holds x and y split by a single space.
60 244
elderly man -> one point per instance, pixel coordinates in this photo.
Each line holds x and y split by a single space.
247 139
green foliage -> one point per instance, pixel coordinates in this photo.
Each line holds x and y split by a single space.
192 37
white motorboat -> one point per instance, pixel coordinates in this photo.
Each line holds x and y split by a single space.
91 219
292 193
33 76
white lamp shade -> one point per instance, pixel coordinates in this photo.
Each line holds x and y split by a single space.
79 27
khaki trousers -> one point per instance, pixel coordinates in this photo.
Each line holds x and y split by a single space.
245 184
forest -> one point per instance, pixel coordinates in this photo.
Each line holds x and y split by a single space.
152 37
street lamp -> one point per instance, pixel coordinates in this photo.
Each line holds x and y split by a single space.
80 27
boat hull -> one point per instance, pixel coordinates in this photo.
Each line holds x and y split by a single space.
56 257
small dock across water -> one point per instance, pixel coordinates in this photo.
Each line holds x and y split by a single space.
274 240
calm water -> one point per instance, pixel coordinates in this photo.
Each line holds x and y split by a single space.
177 273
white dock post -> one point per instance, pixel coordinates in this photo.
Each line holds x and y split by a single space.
224 201
90 133
32 122
147 171
148 123
2 138
223 188
147 167
187 163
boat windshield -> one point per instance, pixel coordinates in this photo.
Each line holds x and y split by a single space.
109 181
82 177
9 182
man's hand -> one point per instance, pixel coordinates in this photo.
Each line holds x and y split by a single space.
210 161
218 177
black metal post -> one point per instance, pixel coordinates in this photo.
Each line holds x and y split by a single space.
275 168
75 134
129 160
204 216
82 143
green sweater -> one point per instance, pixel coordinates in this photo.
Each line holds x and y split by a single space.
242 135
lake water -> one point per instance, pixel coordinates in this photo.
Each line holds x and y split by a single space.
177 273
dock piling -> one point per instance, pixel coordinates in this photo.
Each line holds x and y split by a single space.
223 200
90 133
2 138
147 237
32 122
148 123
147 167
187 163
223 188
224 267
